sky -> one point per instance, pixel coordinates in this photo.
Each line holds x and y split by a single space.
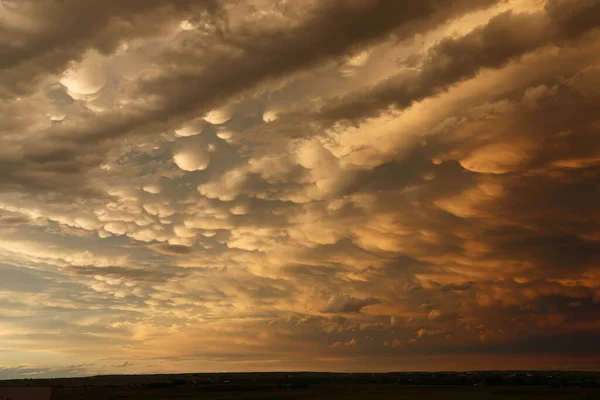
328 185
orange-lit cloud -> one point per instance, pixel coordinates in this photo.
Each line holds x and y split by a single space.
254 185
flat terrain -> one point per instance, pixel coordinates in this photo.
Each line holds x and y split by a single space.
336 391
319 385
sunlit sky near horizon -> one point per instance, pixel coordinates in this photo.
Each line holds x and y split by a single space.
331 185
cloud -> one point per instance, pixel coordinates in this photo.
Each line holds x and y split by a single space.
349 343
169 249
240 185
51 43
28 372
191 159
129 274
124 364
459 287
587 81
455 59
348 304
164 96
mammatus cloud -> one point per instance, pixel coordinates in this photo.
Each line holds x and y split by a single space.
250 185
347 304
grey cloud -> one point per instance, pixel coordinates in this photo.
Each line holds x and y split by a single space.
124 364
574 18
12 218
64 30
347 304
171 249
262 58
572 344
335 26
131 274
472 257
48 372
21 280
310 271
504 38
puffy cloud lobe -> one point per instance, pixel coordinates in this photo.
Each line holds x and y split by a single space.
269 116
118 228
189 129
151 188
48 39
219 116
256 55
497 158
347 304
85 80
189 159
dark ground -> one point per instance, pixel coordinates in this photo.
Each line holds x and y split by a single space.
335 392
297 386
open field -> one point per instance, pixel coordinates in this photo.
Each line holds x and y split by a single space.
335 391
313 386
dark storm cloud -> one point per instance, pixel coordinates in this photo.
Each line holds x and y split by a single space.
555 249
47 35
504 38
251 60
330 33
562 344
573 17
466 223
545 209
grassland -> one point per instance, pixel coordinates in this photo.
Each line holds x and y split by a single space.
335 391
312 386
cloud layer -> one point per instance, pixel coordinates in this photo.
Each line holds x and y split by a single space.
257 185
